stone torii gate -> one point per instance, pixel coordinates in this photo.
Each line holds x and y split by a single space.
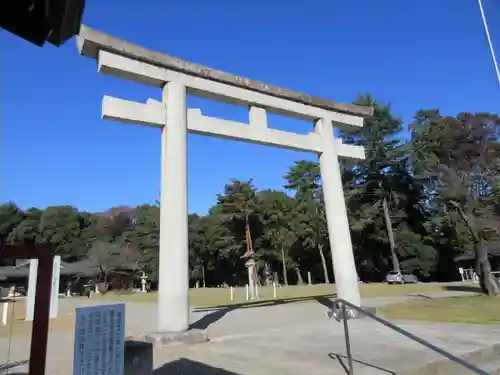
177 78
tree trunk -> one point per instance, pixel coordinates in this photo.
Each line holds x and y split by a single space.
323 262
267 274
300 280
203 275
256 276
487 281
285 276
390 234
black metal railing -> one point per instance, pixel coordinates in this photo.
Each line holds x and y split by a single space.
344 310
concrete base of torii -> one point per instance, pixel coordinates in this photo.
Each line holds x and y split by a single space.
192 336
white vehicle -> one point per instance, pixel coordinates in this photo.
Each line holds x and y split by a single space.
395 277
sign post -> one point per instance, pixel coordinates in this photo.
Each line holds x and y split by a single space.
461 270
40 330
99 340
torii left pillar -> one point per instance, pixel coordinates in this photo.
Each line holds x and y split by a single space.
173 290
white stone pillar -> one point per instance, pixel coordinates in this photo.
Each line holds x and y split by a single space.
346 277
251 283
173 301
56 278
54 294
30 300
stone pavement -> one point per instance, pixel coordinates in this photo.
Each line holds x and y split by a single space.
282 339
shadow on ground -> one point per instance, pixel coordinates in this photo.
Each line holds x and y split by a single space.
463 288
325 301
419 295
342 359
217 313
185 366
181 366
6 367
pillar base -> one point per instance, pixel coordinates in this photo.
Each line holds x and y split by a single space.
192 336
138 358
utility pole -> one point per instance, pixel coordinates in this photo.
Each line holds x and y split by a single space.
390 234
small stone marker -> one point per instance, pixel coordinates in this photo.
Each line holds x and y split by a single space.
144 279
99 340
5 313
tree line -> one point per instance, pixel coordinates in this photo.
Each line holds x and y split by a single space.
417 203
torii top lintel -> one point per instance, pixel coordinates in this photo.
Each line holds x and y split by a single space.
91 41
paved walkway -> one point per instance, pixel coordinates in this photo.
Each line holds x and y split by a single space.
283 339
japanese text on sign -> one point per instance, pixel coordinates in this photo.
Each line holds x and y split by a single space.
99 340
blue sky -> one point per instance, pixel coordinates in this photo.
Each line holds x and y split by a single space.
56 150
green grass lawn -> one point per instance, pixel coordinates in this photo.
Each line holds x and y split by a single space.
214 297
469 309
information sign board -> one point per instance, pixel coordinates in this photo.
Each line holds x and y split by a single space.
99 340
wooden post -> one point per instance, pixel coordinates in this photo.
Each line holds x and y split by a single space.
40 330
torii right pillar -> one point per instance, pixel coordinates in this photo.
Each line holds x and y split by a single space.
346 277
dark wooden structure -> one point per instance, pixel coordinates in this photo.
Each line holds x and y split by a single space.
40 331
77 273
41 21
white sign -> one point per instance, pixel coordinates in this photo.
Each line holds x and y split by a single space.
54 295
461 270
